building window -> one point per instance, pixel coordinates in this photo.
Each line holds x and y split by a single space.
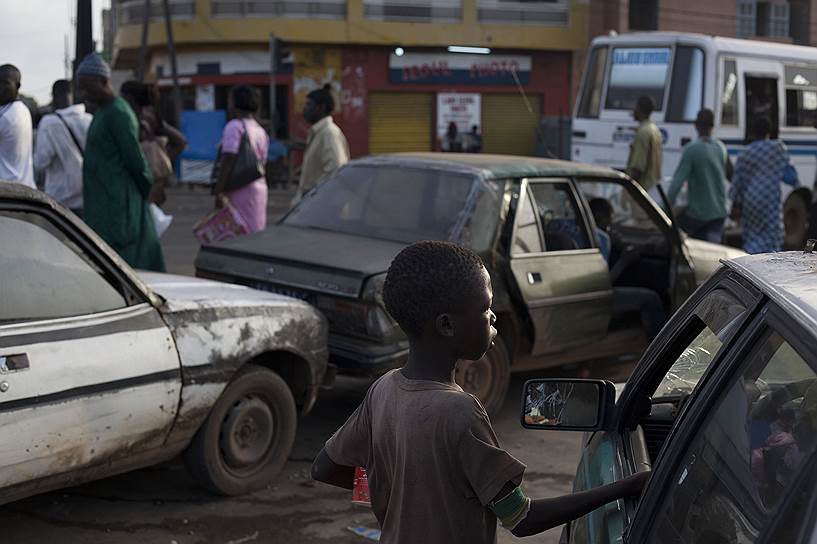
768 19
421 11
532 12
208 68
293 9
643 14
746 18
130 12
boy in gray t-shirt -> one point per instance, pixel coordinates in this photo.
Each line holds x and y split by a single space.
436 471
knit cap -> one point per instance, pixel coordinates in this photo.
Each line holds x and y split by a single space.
94 65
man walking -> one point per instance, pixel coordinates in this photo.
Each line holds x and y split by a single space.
644 162
703 167
16 163
116 177
326 146
755 190
60 145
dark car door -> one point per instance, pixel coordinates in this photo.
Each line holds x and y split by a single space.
560 273
660 386
742 465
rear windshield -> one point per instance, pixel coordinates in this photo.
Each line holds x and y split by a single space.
404 204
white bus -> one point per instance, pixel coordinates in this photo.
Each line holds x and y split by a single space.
682 73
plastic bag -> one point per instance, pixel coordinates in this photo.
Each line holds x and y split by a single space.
161 220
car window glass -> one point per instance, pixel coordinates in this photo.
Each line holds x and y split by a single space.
628 211
717 316
747 454
58 280
527 228
796 512
562 224
403 204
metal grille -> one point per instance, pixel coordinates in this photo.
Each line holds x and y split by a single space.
541 12
437 11
307 9
133 11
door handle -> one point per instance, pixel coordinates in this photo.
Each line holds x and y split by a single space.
13 363
534 278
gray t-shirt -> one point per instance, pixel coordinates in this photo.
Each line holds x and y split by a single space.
432 459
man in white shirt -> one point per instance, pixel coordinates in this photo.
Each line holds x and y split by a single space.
60 146
326 146
15 130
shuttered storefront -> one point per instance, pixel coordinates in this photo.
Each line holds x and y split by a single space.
400 122
507 125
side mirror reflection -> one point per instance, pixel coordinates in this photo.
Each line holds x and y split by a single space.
566 404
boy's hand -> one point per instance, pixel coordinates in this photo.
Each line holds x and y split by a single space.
635 483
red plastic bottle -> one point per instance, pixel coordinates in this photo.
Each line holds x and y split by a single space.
360 492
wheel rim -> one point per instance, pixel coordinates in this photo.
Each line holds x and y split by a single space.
247 434
476 377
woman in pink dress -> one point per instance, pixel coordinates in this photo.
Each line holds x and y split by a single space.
250 200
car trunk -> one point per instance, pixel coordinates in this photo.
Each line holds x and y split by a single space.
299 261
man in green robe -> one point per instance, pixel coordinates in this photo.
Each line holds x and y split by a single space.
116 177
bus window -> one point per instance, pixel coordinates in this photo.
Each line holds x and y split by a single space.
687 87
635 72
761 101
729 94
594 80
801 96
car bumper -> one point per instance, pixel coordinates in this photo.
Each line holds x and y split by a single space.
362 358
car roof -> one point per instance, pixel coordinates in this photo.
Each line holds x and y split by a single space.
788 278
491 166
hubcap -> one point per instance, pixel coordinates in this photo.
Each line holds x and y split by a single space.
247 432
475 377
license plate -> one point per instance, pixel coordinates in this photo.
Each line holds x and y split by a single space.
281 290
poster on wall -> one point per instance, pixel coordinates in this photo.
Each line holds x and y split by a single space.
314 67
463 109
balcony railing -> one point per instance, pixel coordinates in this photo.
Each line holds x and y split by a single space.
131 12
423 11
531 12
294 9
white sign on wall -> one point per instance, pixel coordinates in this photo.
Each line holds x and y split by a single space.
464 109
205 97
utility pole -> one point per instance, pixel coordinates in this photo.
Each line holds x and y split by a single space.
273 111
84 35
143 47
174 69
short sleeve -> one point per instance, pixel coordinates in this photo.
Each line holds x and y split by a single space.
486 465
231 137
350 445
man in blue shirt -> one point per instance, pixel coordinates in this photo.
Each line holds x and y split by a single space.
703 167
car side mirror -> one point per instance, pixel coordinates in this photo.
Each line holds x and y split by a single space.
567 404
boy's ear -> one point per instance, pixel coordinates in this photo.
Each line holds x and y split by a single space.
444 325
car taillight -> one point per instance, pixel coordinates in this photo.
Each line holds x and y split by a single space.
357 318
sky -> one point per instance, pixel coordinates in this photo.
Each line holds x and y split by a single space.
32 37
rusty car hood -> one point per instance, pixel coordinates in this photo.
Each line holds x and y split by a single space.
186 293
304 258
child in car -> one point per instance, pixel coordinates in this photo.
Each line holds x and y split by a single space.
436 471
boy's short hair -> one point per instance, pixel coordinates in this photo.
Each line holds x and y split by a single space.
429 278
645 105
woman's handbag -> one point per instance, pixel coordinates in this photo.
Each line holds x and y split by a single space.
247 168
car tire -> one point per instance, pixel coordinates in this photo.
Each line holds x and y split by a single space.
487 378
248 435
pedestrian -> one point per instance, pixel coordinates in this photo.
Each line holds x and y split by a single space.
704 164
436 471
452 140
326 146
645 302
644 162
60 146
755 190
250 199
161 142
16 161
116 179
474 140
